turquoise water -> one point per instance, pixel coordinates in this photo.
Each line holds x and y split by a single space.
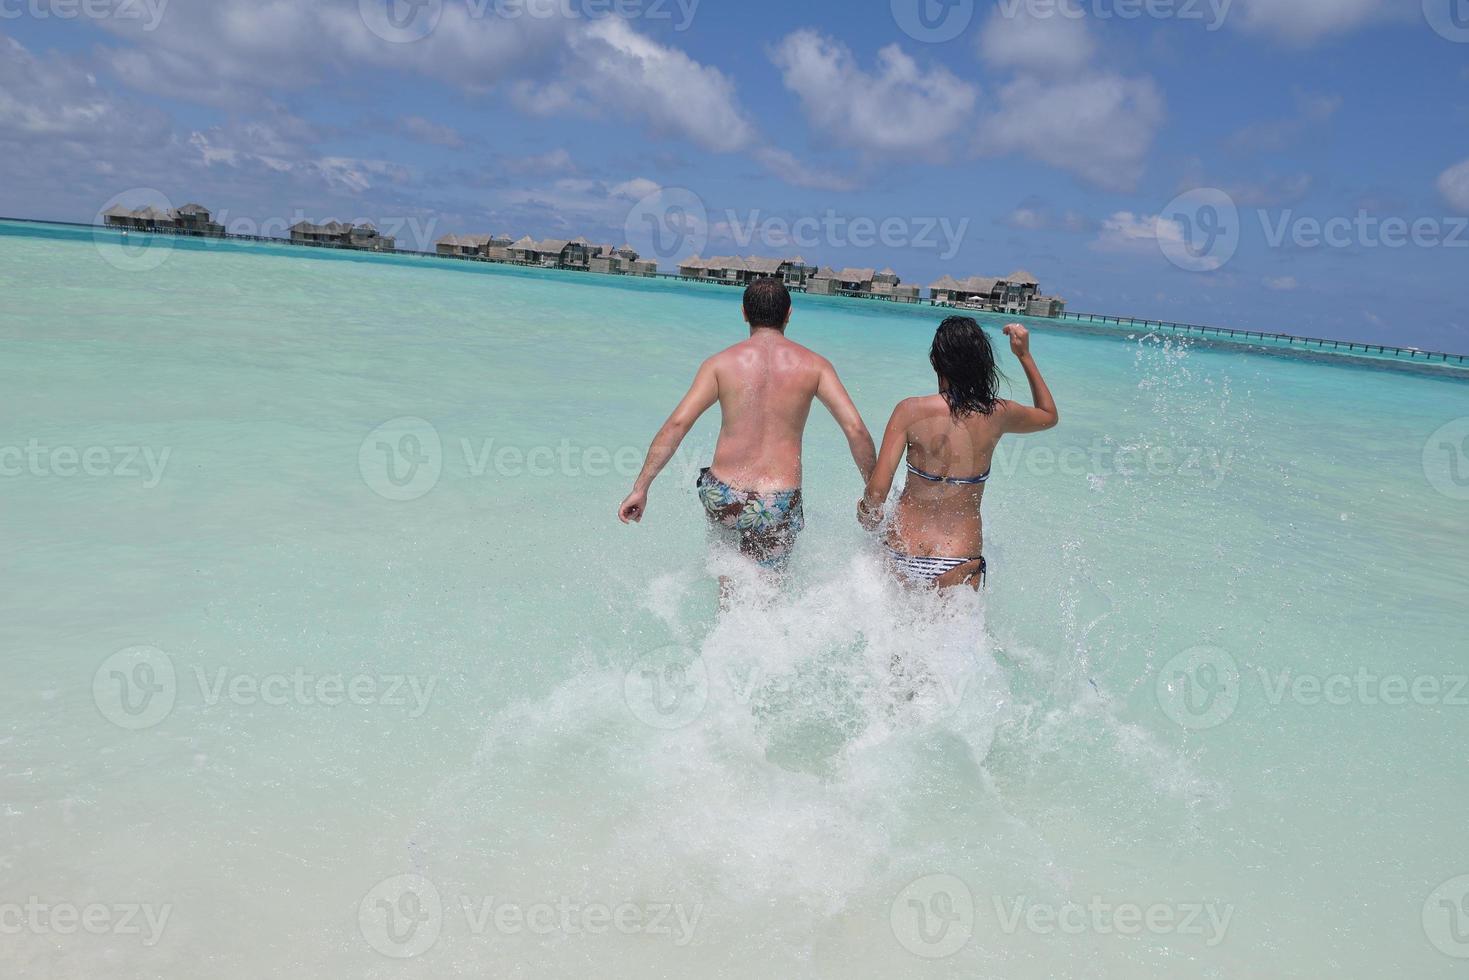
320 628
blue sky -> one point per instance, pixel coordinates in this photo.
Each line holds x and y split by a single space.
1295 165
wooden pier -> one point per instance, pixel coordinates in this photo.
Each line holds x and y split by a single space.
1287 340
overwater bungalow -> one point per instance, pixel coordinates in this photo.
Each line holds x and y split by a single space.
620 260
191 219
364 237
195 219
549 252
475 246
737 271
1017 293
824 283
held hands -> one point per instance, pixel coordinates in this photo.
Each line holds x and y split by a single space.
869 517
633 508
1019 339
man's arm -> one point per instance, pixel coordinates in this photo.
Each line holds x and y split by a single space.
704 393
1022 418
834 396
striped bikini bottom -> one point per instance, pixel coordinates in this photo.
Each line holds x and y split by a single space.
925 569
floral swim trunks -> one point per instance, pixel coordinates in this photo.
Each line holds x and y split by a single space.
766 523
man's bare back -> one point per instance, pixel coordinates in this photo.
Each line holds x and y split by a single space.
764 386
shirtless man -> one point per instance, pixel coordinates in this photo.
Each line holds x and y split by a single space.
764 386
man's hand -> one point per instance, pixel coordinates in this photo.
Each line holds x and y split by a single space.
633 508
869 517
1019 339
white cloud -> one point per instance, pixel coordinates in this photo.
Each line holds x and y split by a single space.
898 109
1027 219
1037 217
1129 232
610 68
1453 184
575 201
1304 21
428 131
1270 192
783 164
1059 108
550 162
1313 109
1098 126
97 145
272 45
57 99
1057 44
546 66
1281 284
551 65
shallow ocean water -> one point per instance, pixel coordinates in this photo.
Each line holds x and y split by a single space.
325 648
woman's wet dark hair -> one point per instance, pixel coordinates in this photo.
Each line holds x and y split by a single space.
964 359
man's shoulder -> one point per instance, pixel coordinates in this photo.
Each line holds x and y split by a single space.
807 355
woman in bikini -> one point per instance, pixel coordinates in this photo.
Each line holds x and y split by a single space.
936 536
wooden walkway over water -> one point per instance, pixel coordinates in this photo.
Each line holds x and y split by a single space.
1287 340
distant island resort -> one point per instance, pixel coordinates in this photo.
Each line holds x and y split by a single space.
1018 293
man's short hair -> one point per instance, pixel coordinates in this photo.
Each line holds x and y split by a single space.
767 303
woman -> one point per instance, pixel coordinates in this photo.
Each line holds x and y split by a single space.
936 536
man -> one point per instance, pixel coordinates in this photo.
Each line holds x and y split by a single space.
764 386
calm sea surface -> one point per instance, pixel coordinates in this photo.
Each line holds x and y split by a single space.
325 655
